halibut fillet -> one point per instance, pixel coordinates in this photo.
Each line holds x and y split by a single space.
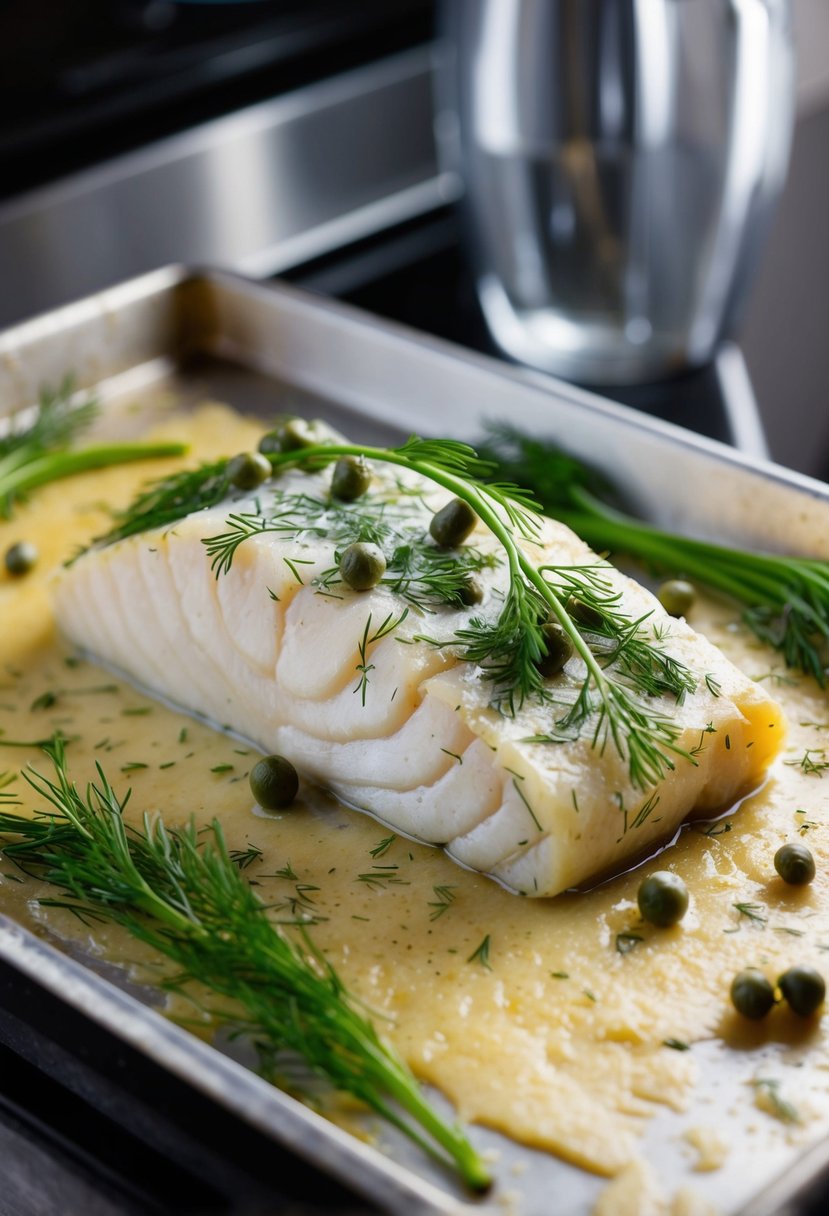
406 730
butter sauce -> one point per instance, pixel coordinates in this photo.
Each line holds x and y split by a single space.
556 1033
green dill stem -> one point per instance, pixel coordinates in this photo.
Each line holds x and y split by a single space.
183 895
53 466
797 589
603 526
647 763
518 563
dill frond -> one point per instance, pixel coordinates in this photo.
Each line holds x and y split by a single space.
40 452
185 895
785 599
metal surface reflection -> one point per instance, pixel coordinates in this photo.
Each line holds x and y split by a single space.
621 160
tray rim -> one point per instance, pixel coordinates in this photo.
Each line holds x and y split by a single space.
27 952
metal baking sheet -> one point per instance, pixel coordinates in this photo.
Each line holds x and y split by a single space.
265 348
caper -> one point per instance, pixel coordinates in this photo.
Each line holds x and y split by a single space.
471 590
248 470
297 433
585 614
271 442
274 783
795 864
362 565
804 989
662 898
559 649
20 558
450 526
677 596
751 994
289 435
351 478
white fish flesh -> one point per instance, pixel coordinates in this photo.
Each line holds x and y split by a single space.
408 732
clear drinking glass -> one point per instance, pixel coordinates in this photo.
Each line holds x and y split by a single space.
621 159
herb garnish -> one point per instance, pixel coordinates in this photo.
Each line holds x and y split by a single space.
181 892
752 912
444 898
481 954
416 569
779 1106
383 847
813 762
34 455
368 639
624 669
786 598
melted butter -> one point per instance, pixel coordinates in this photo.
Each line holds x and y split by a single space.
558 1039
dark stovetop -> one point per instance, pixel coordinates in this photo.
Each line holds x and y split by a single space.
89 80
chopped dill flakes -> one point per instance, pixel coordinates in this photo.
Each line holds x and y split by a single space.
770 1099
481 954
383 846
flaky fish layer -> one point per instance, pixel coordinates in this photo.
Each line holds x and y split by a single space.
399 727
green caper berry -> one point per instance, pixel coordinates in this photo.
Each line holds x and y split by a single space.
662 898
295 435
471 590
584 614
248 470
677 596
751 994
795 864
289 436
804 989
274 783
559 649
20 558
351 478
271 442
450 526
362 565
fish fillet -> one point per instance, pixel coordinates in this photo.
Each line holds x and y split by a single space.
408 732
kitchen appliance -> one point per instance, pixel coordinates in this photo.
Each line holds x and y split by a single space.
621 159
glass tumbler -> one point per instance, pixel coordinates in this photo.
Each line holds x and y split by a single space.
621 160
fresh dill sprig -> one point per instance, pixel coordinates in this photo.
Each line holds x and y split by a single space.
39 453
444 898
752 912
368 639
785 599
624 668
182 892
55 424
510 648
383 847
481 954
813 762
169 499
416 569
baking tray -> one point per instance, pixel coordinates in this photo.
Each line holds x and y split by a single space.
268 348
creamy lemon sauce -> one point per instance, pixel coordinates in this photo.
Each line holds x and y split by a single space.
561 1023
